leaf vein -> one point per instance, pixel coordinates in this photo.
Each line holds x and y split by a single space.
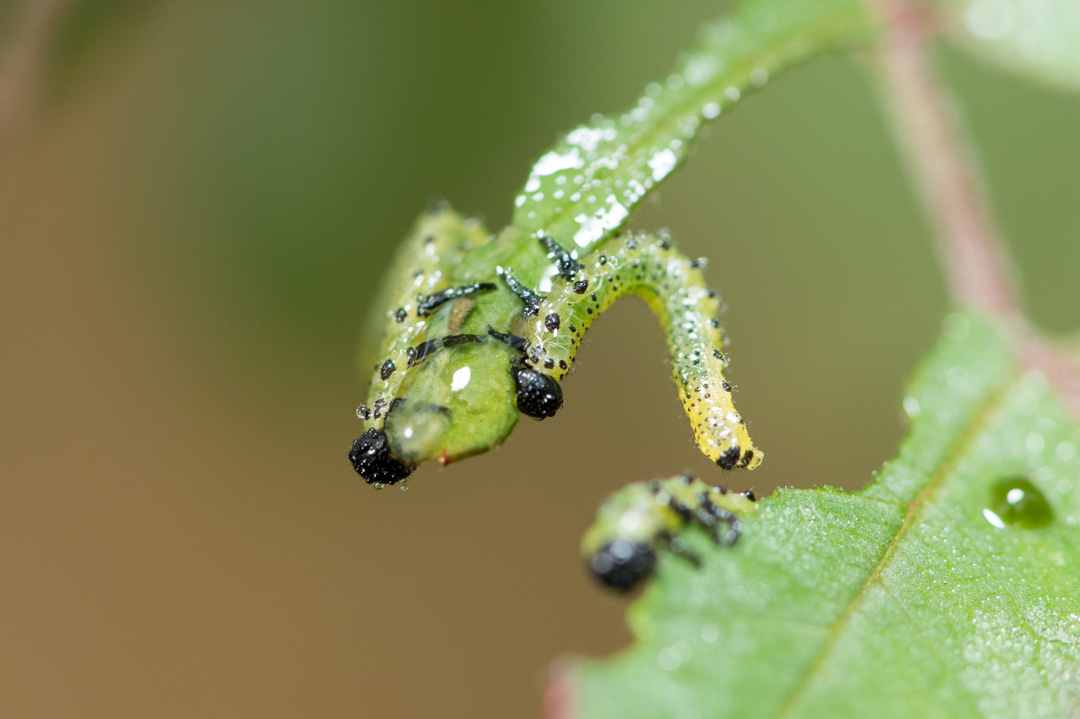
959 447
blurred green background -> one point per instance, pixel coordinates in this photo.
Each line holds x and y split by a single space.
194 214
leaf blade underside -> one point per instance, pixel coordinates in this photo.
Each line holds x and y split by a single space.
585 188
899 600
1035 40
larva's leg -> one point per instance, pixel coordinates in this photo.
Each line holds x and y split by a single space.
677 546
674 287
712 515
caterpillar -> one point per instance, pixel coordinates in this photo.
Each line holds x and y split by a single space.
480 328
620 548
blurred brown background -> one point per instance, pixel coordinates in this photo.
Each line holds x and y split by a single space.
194 212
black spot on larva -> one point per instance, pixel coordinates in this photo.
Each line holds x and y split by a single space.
727 386
749 494
665 244
370 457
562 364
729 459
697 263
552 322
622 564
717 354
400 314
572 328
603 259
581 286
363 412
538 394
747 458
710 293
714 323
549 363
387 369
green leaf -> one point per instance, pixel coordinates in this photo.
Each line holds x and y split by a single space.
585 187
578 195
912 598
1036 39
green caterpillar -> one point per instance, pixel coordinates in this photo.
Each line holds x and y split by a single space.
620 547
480 328
483 326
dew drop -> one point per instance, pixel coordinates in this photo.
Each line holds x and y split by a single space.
1017 502
1065 451
669 659
377 485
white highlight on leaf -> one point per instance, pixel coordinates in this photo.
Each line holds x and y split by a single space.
554 162
700 70
995 520
662 163
460 380
593 227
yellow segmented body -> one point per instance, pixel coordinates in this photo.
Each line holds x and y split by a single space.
673 285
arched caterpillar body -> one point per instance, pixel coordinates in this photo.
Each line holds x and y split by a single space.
484 328
621 546
577 194
674 288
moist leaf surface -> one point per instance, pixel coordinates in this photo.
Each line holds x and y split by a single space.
900 600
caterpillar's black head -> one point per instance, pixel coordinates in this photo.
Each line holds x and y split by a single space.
538 395
370 457
622 564
735 457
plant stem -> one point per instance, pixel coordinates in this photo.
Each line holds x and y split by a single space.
939 161
976 264
20 60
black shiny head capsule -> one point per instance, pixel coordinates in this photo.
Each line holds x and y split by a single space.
730 458
623 564
370 457
538 395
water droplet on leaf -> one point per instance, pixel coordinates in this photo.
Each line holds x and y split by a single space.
1017 502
